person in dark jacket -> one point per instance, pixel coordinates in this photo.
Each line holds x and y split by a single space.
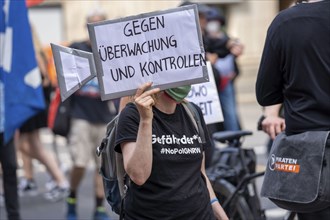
295 71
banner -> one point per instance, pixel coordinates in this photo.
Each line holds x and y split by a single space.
19 75
163 47
206 96
74 69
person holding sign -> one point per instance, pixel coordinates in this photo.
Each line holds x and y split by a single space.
164 158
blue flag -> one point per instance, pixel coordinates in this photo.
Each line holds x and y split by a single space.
20 78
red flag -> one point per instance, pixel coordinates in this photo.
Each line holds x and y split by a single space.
30 3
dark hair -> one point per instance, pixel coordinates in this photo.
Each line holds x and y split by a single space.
216 14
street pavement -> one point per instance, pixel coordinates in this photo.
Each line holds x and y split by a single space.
37 207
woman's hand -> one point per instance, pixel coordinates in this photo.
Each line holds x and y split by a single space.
144 100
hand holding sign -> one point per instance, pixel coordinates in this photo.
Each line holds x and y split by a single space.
148 48
134 50
144 100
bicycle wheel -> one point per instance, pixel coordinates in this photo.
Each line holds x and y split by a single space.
238 209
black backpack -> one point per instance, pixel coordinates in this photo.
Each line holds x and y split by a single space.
115 180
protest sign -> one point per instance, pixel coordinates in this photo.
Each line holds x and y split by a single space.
74 68
163 47
205 95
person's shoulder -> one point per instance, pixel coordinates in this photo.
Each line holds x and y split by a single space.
296 11
199 110
196 107
129 110
281 19
130 105
80 45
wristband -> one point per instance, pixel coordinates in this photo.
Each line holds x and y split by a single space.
214 200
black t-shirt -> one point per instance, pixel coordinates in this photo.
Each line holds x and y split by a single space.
176 188
86 102
295 66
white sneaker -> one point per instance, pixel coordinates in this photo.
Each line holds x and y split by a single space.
57 193
50 184
27 187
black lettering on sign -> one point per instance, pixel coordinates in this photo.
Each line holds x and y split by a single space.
136 49
206 107
103 50
137 27
171 63
119 73
198 91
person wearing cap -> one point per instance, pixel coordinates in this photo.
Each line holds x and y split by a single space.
164 158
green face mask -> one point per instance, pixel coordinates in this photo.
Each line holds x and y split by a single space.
178 93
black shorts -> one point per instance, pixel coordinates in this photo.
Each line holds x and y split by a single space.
35 122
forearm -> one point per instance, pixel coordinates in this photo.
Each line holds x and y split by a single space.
138 155
272 123
272 110
139 161
218 211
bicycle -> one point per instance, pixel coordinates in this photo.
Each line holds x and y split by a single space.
233 174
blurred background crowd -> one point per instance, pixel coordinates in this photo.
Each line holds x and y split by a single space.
243 22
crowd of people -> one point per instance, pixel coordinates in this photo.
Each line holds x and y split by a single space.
153 112
88 117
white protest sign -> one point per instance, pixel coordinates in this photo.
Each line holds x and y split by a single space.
74 68
163 47
205 95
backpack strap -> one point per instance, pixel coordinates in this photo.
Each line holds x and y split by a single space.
195 118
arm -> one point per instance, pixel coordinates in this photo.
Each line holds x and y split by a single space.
235 47
269 84
137 155
219 46
42 64
273 124
218 211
